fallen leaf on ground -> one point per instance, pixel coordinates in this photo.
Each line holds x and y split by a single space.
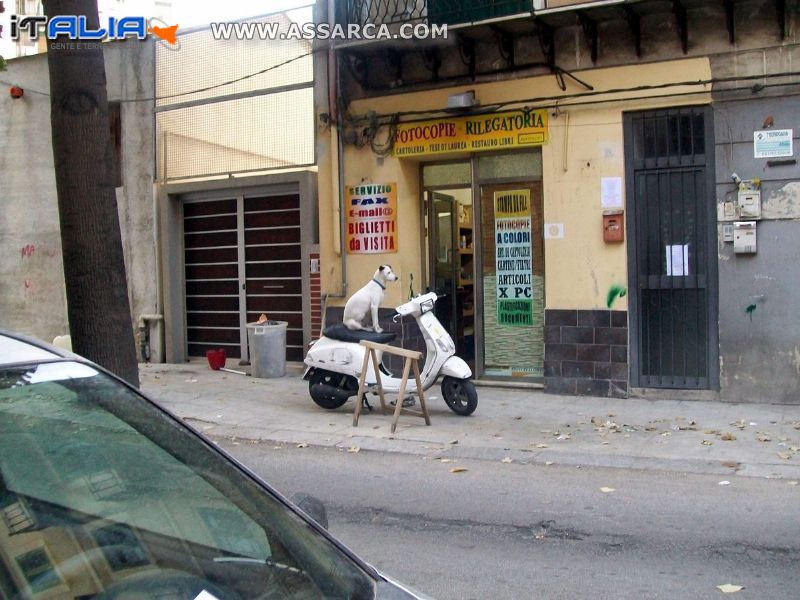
727 437
607 490
506 460
706 442
711 431
302 445
792 482
354 449
541 445
762 437
458 470
724 483
517 418
453 442
729 588
446 460
740 424
785 455
548 463
731 465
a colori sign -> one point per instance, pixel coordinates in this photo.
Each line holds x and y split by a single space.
371 218
514 258
513 129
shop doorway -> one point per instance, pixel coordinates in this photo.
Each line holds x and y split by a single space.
484 242
452 268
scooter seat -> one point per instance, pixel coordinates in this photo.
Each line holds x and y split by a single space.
343 334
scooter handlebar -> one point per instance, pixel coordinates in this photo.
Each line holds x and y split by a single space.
417 305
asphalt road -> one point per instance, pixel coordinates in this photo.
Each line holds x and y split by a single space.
503 530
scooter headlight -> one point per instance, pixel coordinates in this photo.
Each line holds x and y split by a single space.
426 306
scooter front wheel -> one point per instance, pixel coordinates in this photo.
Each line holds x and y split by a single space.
329 389
460 395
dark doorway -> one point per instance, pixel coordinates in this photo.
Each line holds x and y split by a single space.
672 260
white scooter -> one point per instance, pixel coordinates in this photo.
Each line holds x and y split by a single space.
334 362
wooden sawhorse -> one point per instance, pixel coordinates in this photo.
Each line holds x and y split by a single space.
411 362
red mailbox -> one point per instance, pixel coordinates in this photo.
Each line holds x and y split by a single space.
613 226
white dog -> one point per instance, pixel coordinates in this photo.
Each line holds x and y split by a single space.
367 300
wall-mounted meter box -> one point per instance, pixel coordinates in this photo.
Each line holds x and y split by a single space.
748 204
744 237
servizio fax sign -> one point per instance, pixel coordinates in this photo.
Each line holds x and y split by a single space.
770 143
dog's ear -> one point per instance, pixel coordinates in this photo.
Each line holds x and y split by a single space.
382 268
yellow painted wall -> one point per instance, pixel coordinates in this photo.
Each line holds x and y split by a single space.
580 268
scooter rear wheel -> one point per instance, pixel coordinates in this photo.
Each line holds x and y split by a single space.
336 380
460 395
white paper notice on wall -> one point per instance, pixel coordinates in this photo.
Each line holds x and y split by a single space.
678 260
553 231
611 192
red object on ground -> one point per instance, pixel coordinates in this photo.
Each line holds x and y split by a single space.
216 359
16 91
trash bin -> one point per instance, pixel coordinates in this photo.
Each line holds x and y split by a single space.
267 343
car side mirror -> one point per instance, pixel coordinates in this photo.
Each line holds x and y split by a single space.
312 506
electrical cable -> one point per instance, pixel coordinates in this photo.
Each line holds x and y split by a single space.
198 90
490 108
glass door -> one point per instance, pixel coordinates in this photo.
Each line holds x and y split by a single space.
452 265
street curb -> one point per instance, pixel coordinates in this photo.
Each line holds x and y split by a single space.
538 457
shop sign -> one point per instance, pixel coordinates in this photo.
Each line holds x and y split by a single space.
371 218
475 133
514 259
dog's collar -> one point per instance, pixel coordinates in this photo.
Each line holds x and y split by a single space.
383 287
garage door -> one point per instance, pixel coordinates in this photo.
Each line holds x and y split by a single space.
242 259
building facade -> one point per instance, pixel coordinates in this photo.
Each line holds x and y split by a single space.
216 188
603 194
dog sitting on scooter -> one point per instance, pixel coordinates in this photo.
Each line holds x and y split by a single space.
367 300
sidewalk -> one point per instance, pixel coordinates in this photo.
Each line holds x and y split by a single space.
521 426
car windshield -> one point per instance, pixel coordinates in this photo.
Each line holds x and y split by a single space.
104 496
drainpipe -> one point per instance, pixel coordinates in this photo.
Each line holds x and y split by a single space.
144 334
337 162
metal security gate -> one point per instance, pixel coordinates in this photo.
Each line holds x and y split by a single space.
272 265
242 258
672 251
211 266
